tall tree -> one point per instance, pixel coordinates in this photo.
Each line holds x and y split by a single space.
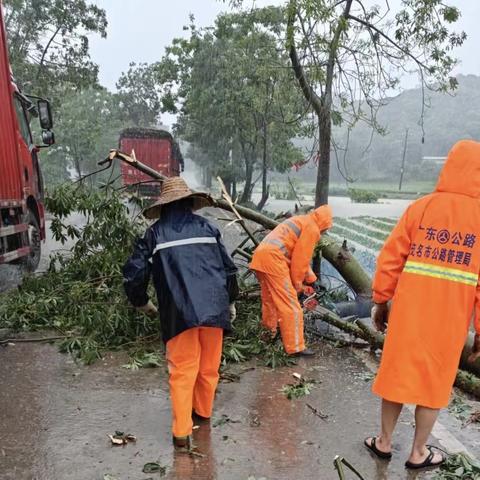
347 57
48 42
140 93
233 89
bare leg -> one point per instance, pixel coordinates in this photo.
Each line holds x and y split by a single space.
425 419
390 413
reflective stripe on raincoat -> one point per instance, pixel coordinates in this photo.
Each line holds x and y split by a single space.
288 249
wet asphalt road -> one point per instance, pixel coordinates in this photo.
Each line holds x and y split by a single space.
56 415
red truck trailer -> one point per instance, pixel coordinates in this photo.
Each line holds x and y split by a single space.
155 148
22 219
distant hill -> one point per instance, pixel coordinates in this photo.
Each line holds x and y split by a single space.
449 118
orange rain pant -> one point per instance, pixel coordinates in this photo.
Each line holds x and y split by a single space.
280 307
193 364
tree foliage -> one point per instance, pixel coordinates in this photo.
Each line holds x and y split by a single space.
232 89
48 42
140 94
82 294
88 124
348 57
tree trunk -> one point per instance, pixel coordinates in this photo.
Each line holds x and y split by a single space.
247 190
471 367
264 198
265 187
228 186
208 177
322 105
323 173
77 167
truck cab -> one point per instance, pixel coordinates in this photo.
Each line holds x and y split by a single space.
22 216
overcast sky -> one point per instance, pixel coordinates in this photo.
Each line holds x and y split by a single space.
139 30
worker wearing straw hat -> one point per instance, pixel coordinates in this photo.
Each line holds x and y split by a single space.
195 281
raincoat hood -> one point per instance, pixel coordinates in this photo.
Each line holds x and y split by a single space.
461 172
323 217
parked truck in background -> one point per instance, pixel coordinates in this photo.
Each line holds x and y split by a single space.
155 148
22 217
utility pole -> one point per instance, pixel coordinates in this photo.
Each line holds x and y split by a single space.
402 169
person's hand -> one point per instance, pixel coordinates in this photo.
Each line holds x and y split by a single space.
308 290
149 309
380 316
233 312
475 355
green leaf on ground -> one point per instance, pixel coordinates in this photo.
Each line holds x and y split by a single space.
299 389
154 467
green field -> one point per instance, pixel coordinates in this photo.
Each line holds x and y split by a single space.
387 189
410 189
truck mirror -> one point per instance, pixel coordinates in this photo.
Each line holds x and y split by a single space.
45 114
48 137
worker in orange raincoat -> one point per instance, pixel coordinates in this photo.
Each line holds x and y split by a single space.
195 282
282 265
429 268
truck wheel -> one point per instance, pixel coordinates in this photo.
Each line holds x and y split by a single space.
31 261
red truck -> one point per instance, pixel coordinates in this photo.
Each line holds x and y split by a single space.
155 148
22 218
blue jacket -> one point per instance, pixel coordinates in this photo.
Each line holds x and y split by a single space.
194 277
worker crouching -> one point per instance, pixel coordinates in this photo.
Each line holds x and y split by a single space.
282 265
195 281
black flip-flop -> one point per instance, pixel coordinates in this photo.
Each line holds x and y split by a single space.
427 463
373 448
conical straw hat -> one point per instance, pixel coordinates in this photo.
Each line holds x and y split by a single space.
173 189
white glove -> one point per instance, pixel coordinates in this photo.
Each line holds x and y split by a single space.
233 312
149 309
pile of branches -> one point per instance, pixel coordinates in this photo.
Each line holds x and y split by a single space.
81 296
249 339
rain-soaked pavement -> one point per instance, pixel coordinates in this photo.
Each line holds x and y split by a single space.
55 416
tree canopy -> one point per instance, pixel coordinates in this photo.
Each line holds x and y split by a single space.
348 57
48 43
232 89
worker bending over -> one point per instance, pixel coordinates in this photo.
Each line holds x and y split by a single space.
282 265
195 280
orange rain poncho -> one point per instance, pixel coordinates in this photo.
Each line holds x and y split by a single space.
430 267
282 264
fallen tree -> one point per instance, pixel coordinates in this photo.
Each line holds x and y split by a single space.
338 255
